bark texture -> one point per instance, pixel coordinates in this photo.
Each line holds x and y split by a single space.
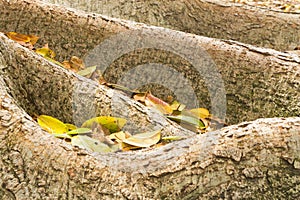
257 82
217 19
250 160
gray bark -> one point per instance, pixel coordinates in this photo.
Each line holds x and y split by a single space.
211 18
258 82
254 160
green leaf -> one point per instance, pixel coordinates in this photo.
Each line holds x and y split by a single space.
146 139
51 124
79 131
188 120
90 144
113 124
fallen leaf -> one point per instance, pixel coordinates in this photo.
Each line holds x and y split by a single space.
197 123
146 139
113 124
200 112
176 106
79 131
18 37
119 136
160 105
74 63
52 125
128 147
71 126
24 40
77 63
62 136
46 52
169 99
140 97
87 72
90 144
101 133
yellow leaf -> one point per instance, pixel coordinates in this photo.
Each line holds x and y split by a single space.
113 124
46 52
200 112
119 136
71 127
52 125
144 139
177 106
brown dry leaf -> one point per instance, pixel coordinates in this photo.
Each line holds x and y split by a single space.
24 40
74 63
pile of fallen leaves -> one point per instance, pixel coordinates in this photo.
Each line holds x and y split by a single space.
104 133
101 134
282 5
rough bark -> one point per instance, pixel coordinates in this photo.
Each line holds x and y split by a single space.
217 19
258 82
254 160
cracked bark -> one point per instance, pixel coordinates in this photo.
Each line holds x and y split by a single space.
255 160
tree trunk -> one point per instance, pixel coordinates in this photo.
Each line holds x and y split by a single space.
243 81
254 160
211 18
